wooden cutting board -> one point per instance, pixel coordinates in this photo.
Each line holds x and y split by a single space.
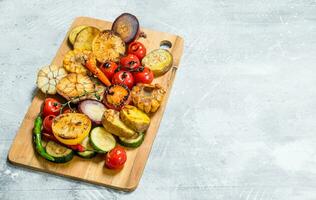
93 170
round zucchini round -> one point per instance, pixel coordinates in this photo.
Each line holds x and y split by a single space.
61 153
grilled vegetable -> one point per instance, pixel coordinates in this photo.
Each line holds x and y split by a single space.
130 62
109 68
93 109
107 46
71 128
92 66
47 124
51 106
147 97
127 26
116 97
76 147
75 61
132 142
143 75
101 140
38 140
116 158
74 87
137 49
135 118
48 77
159 61
113 124
85 37
74 32
89 151
60 153
123 77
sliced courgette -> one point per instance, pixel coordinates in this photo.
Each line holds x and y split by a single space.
101 140
74 32
159 61
132 142
61 153
89 151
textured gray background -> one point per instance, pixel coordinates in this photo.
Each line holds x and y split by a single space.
240 123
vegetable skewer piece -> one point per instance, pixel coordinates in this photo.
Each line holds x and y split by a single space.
38 140
91 65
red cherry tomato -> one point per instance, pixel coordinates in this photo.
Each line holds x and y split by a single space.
123 77
108 68
51 107
47 123
130 62
144 75
116 158
137 49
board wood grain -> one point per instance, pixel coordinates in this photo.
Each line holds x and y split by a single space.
92 170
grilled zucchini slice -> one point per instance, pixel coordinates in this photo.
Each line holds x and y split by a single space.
89 150
101 140
74 32
61 153
85 37
159 61
132 142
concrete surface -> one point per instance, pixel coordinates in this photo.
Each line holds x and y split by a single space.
240 123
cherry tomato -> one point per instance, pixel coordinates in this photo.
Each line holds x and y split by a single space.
109 68
123 77
47 123
137 49
77 147
51 107
130 62
144 75
116 158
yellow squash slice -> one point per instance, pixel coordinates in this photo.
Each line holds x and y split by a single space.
135 118
108 46
75 61
71 128
85 37
112 123
74 32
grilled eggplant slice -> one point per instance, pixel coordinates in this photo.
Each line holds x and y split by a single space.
85 37
135 118
74 32
127 26
159 61
108 46
113 124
